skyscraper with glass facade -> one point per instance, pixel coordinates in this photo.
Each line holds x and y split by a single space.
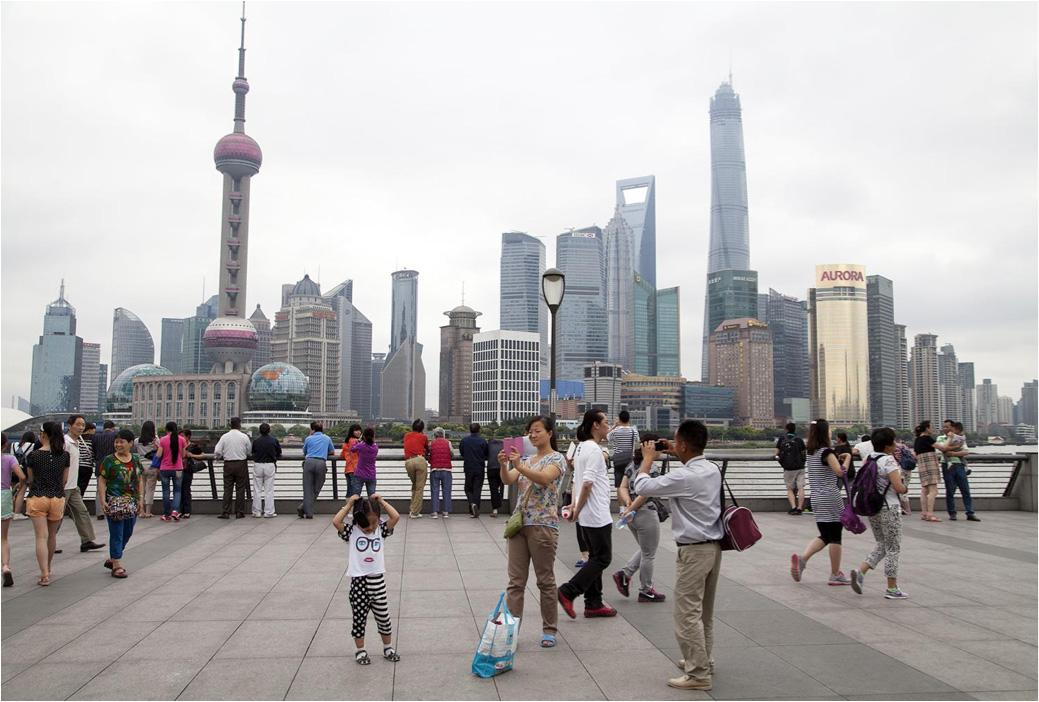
970 416
668 341
521 305
950 388
581 326
620 289
90 380
923 377
131 341
355 351
637 204
787 319
181 350
905 420
57 360
730 233
883 352
838 334
403 380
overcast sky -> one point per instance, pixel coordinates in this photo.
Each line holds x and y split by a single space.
899 136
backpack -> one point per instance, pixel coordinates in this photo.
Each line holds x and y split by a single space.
866 498
790 455
624 455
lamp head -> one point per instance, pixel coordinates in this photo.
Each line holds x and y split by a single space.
553 287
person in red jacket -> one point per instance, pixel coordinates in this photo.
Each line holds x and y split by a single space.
440 472
416 451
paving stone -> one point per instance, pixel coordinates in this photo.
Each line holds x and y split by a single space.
438 676
774 627
50 681
547 675
961 670
264 679
321 678
210 606
104 643
757 672
457 634
140 680
434 603
182 640
1017 656
292 605
270 639
432 580
636 677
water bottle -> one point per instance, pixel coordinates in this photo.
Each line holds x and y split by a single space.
622 523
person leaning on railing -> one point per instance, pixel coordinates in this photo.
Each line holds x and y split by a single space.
416 453
316 449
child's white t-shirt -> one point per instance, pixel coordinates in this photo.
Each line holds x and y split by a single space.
366 556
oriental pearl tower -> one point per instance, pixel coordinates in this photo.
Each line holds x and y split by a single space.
230 340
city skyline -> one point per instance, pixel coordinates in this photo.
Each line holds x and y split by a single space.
858 180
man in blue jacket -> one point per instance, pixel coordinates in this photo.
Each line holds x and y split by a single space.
474 461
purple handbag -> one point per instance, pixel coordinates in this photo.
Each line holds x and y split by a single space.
850 520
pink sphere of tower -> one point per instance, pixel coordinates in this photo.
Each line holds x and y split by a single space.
230 340
238 155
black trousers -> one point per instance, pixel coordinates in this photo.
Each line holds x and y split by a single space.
474 486
83 480
236 478
588 580
185 491
582 543
495 486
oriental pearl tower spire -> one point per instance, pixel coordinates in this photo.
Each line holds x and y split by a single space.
230 340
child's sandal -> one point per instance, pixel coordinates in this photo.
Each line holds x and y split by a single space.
362 657
389 654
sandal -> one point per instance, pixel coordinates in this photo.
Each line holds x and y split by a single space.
362 657
119 573
44 581
390 654
933 518
108 563
548 641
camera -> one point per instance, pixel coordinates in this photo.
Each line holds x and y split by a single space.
661 445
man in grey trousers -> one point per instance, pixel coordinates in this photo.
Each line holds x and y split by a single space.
316 449
234 447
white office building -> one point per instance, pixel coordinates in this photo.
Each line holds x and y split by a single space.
506 374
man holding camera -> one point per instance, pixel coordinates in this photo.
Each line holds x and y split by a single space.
694 491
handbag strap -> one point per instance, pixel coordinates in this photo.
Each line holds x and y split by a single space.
724 487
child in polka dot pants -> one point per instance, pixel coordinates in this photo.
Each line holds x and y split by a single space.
359 524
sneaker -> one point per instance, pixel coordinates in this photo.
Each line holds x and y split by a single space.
893 593
228 516
688 682
567 604
622 581
802 511
651 595
972 518
446 515
165 518
474 511
257 515
186 515
604 611
494 513
580 563
839 579
272 515
952 517
797 567
176 516
856 581
436 516
415 516
792 510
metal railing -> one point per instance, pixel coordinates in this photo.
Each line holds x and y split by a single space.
753 477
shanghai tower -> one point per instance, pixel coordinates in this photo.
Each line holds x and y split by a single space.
732 288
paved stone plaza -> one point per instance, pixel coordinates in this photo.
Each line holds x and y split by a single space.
257 609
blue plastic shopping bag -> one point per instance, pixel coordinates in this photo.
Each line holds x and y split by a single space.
497 647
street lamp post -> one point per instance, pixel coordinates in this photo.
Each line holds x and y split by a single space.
553 287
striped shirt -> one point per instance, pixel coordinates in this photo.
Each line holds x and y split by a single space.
827 500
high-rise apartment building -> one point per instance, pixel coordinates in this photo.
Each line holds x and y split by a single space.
57 360
1005 410
731 294
730 231
378 363
950 388
90 380
927 396
741 358
988 404
1027 407
522 307
355 351
967 397
602 387
306 335
181 350
506 375
102 388
131 341
263 338
637 204
668 333
903 396
838 334
581 326
883 352
456 364
653 400
620 289
787 319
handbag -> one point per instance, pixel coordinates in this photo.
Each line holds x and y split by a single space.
122 507
740 529
850 520
515 523
497 648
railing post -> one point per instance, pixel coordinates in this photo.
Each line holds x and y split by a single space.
335 481
212 478
1023 483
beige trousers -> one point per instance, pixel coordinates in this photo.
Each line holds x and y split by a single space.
417 469
75 508
696 582
537 545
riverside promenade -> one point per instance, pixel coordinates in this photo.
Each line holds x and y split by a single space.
258 609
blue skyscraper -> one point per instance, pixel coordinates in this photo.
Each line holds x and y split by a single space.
522 307
581 327
637 202
57 360
730 235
